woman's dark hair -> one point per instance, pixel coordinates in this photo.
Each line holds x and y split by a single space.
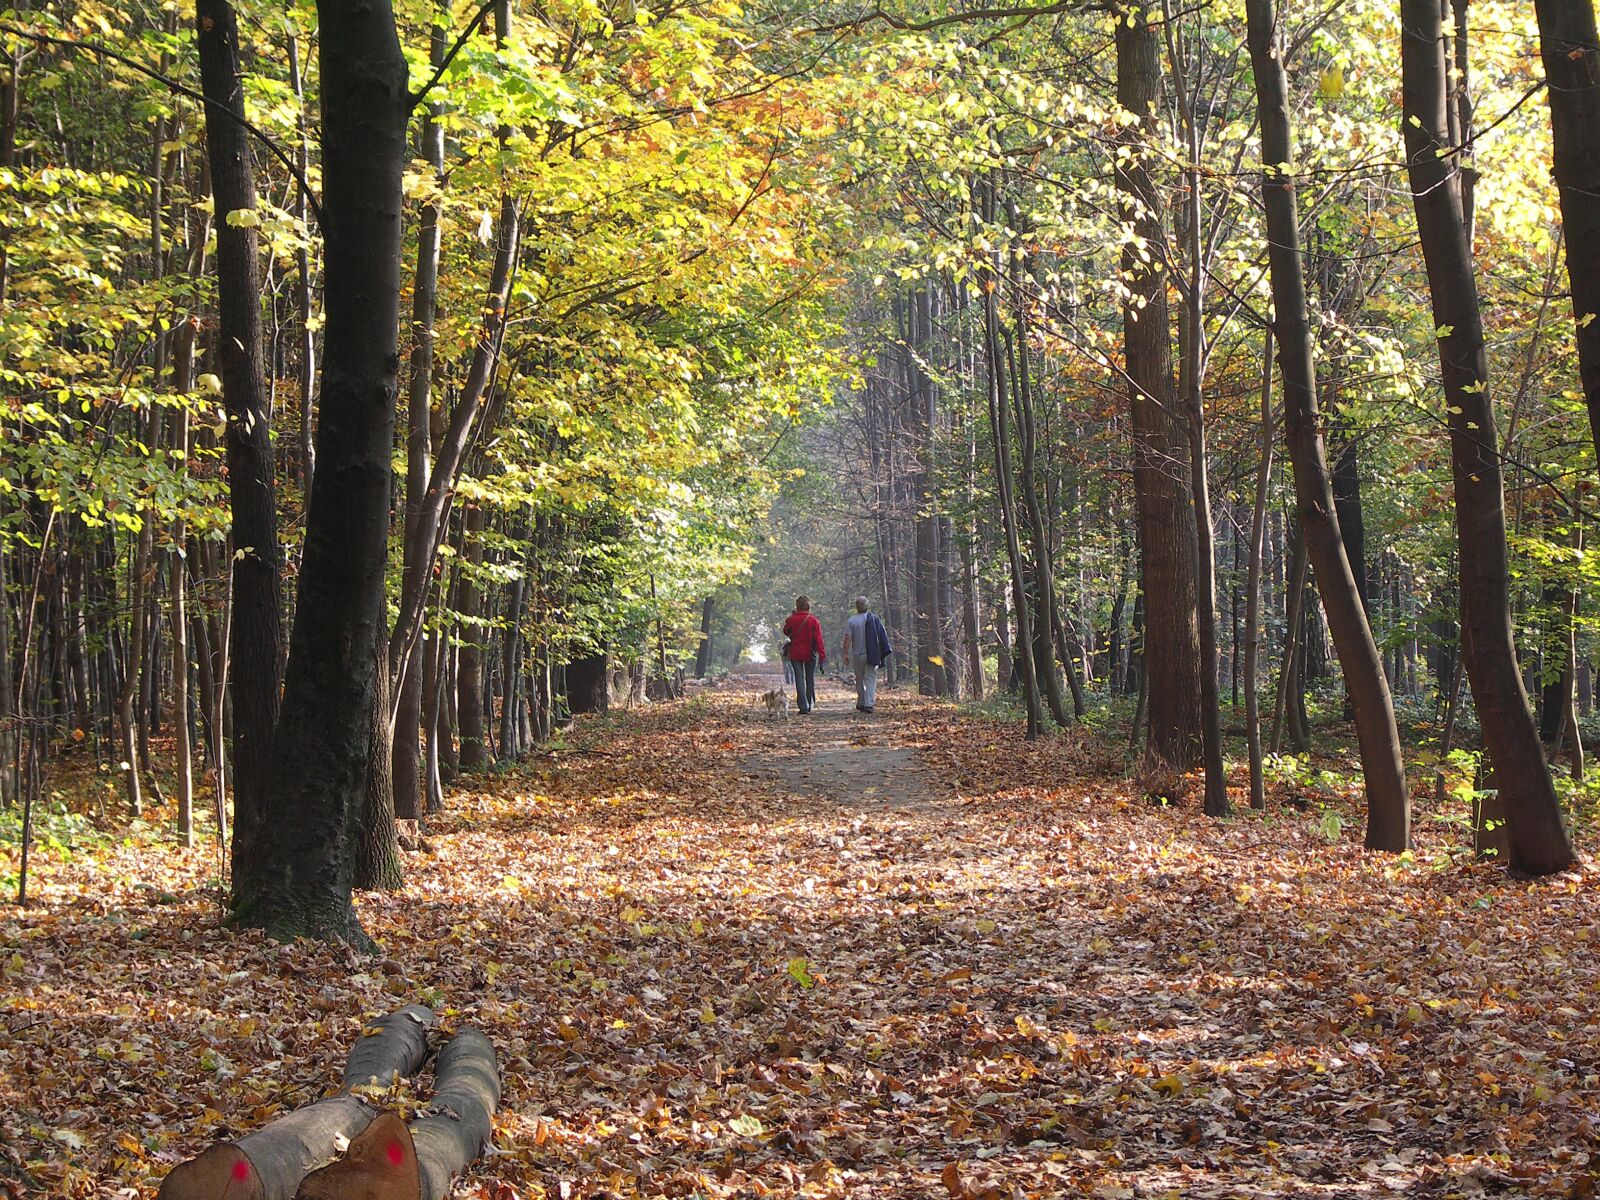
802 604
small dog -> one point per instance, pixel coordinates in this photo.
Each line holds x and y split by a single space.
777 702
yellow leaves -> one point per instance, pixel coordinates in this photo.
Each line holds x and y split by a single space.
747 1126
1168 1085
1330 84
13 966
985 925
799 970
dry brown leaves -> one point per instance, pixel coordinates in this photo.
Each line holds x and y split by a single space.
1003 977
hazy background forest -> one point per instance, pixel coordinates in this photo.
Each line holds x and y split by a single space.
417 419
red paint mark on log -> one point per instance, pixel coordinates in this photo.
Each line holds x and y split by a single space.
397 1154
241 1170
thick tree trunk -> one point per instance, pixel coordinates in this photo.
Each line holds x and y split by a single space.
1171 643
296 875
1571 52
1388 802
257 639
588 684
1538 838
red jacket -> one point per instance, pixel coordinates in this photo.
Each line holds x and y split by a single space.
805 637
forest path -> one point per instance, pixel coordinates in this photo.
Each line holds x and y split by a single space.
852 759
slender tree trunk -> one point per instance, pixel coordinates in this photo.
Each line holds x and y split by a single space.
296 877
377 865
1000 432
406 760
1295 595
1252 604
133 665
702 653
1388 801
469 662
1538 837
302 286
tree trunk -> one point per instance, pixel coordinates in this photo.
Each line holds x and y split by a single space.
469 662
408 682
702 652
256 650
1252 604
1000 433
1571 52
1388 802
295 877
588 686
1538 838
391 1161
1171 642
377 841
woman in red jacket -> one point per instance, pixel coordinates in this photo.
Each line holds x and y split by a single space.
805 652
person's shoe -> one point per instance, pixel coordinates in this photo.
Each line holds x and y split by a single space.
867 709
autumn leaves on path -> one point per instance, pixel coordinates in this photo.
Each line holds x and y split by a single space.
714 962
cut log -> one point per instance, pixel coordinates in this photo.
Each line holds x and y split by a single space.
391 1048
270 1163
449 1134
457 1125
381 1164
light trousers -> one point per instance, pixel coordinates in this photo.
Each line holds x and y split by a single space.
866 682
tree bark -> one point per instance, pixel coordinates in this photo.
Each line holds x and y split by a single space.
377 865
469 662
1000 434
257 639
1252 604
391 1161
296 876
406 758
270 1163
1538 838
1570 48
1388 801
1171 638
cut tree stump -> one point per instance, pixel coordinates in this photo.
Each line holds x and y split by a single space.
393 1161
270 1163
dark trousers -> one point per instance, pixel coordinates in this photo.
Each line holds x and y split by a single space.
805 683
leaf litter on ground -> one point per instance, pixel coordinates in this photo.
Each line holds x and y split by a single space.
707 980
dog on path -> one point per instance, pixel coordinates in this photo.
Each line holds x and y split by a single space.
777 702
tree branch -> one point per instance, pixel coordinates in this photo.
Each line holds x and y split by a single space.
172 85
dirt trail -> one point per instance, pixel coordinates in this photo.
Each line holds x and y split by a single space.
838 754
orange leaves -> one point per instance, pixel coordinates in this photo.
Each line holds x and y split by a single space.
1023 983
